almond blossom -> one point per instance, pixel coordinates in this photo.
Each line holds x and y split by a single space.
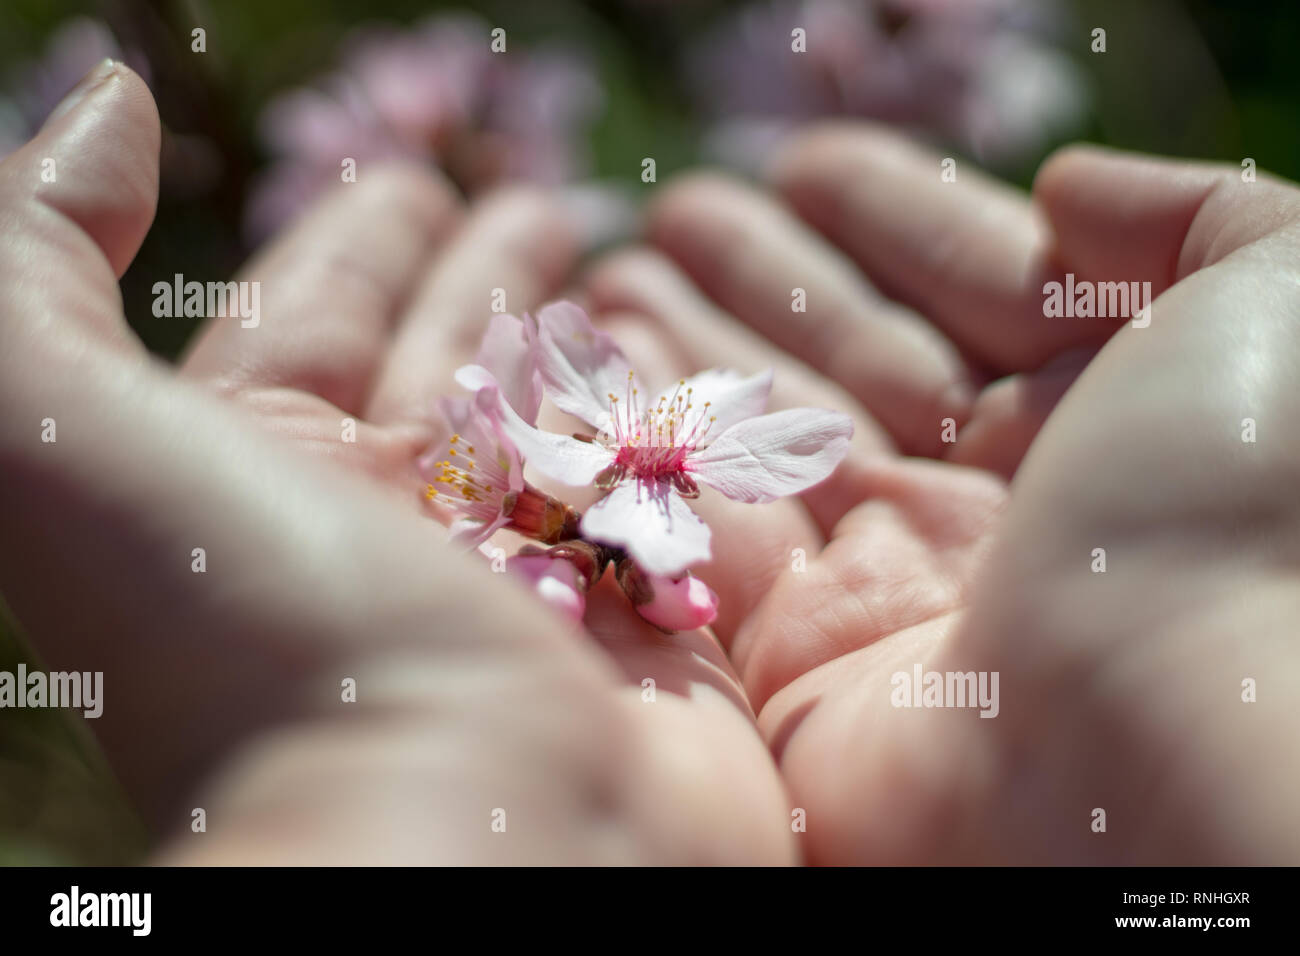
985 75
477 472
649 454
434 93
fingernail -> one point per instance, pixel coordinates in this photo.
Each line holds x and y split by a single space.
97 75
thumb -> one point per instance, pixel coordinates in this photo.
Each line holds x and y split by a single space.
84 190
1123 216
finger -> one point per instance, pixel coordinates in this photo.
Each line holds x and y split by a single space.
1118 216
513 250
1009 413
901 560
751 256
972 255
676 663
1121 215
697 697
330 289
646 282
76 202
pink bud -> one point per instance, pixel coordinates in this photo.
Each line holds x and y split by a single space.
555 580
680 604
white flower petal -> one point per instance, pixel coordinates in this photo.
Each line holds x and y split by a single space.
475 377
471 533
509 352
652 523
564 458
783 453
580 366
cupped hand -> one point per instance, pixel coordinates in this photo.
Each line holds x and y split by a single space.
483 729
1144 712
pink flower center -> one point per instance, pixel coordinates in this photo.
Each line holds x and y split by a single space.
655 442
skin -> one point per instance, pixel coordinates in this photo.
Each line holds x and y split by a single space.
1119 691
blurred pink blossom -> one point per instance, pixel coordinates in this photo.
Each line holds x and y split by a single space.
979 74
189 163
435 93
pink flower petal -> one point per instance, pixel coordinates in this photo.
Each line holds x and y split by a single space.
652 523
562 457
471 533
783 453
580 366
478 421
509 352
555 580
497 469
679 605
475 378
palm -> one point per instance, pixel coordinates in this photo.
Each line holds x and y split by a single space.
313 574
695 728
700 718
939 564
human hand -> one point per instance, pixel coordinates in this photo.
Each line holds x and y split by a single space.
223 688
1120 690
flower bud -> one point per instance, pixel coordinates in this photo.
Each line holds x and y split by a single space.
555 580
671 604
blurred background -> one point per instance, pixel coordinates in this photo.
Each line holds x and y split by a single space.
260 107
